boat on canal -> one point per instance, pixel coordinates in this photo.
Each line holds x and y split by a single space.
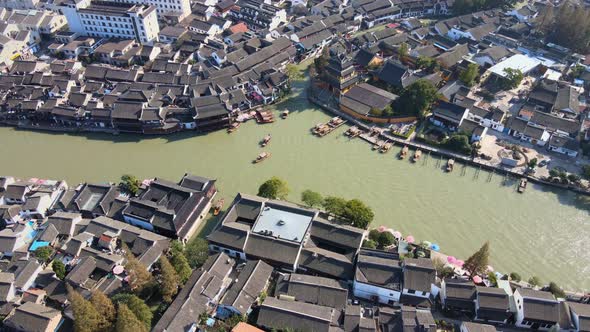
265 140
233 127
417 155
378 145
450 165
336 122
404 152
284 114
353 132
218 206
264 116
262 156
386 147
522 185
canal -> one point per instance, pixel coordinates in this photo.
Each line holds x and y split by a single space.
543 232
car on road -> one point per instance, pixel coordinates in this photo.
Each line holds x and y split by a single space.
544 162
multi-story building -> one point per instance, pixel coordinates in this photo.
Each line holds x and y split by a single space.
182 8
258 15
112 19
19 4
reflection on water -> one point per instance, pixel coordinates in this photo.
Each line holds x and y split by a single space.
543 232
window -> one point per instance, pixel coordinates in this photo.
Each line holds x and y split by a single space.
411 291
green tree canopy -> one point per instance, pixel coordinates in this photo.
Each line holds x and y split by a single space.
403 51
169 280
513 79
458 142
311 198
59 268
569 26
137 306
181 265
127 321
359 214
515 276
534 281
86 317
417 98
478 262
369 244
105 308
197 252
381 239
43 253
556 290
427 63
469 75
274 188
334 205
129 184
293 72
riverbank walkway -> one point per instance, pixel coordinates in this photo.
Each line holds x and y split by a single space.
475 162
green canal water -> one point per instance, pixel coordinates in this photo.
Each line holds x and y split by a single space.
542 232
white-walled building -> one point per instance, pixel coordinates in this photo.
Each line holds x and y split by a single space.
111 19
535 309
378 277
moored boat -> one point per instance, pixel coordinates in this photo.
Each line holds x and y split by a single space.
352 132
218 206
233 127
450 164
403 152
522 185
417 155
385 147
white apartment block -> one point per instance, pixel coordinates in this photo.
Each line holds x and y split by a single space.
112 20
181 8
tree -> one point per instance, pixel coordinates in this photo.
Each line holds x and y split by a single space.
86 317
334 205
369 244
515 276
586 172
169 280
274 188
492 279
139 276
59 268
293 72
556 290
403 51
321 62
137 306
534 281
574 178
181 265
512 79
569 27
469 75
127 321
197 252
458 142
533 163
417 98
385 239
478 262
374 111
105 308
311 198
43 254
387 111
358 213
129 184
442 270
427 63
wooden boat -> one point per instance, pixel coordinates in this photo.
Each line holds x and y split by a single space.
265 140
353 132
403 152
336 122
522 185
417 155
378 145
450 164
233 127
218 206
386 147
264 116
261 157
284 114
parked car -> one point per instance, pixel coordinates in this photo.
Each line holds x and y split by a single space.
544 163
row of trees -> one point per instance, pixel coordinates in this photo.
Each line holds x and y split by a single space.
379 240
568 26
124 312
355 211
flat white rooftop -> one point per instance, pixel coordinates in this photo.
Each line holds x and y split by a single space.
522 62
284 223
